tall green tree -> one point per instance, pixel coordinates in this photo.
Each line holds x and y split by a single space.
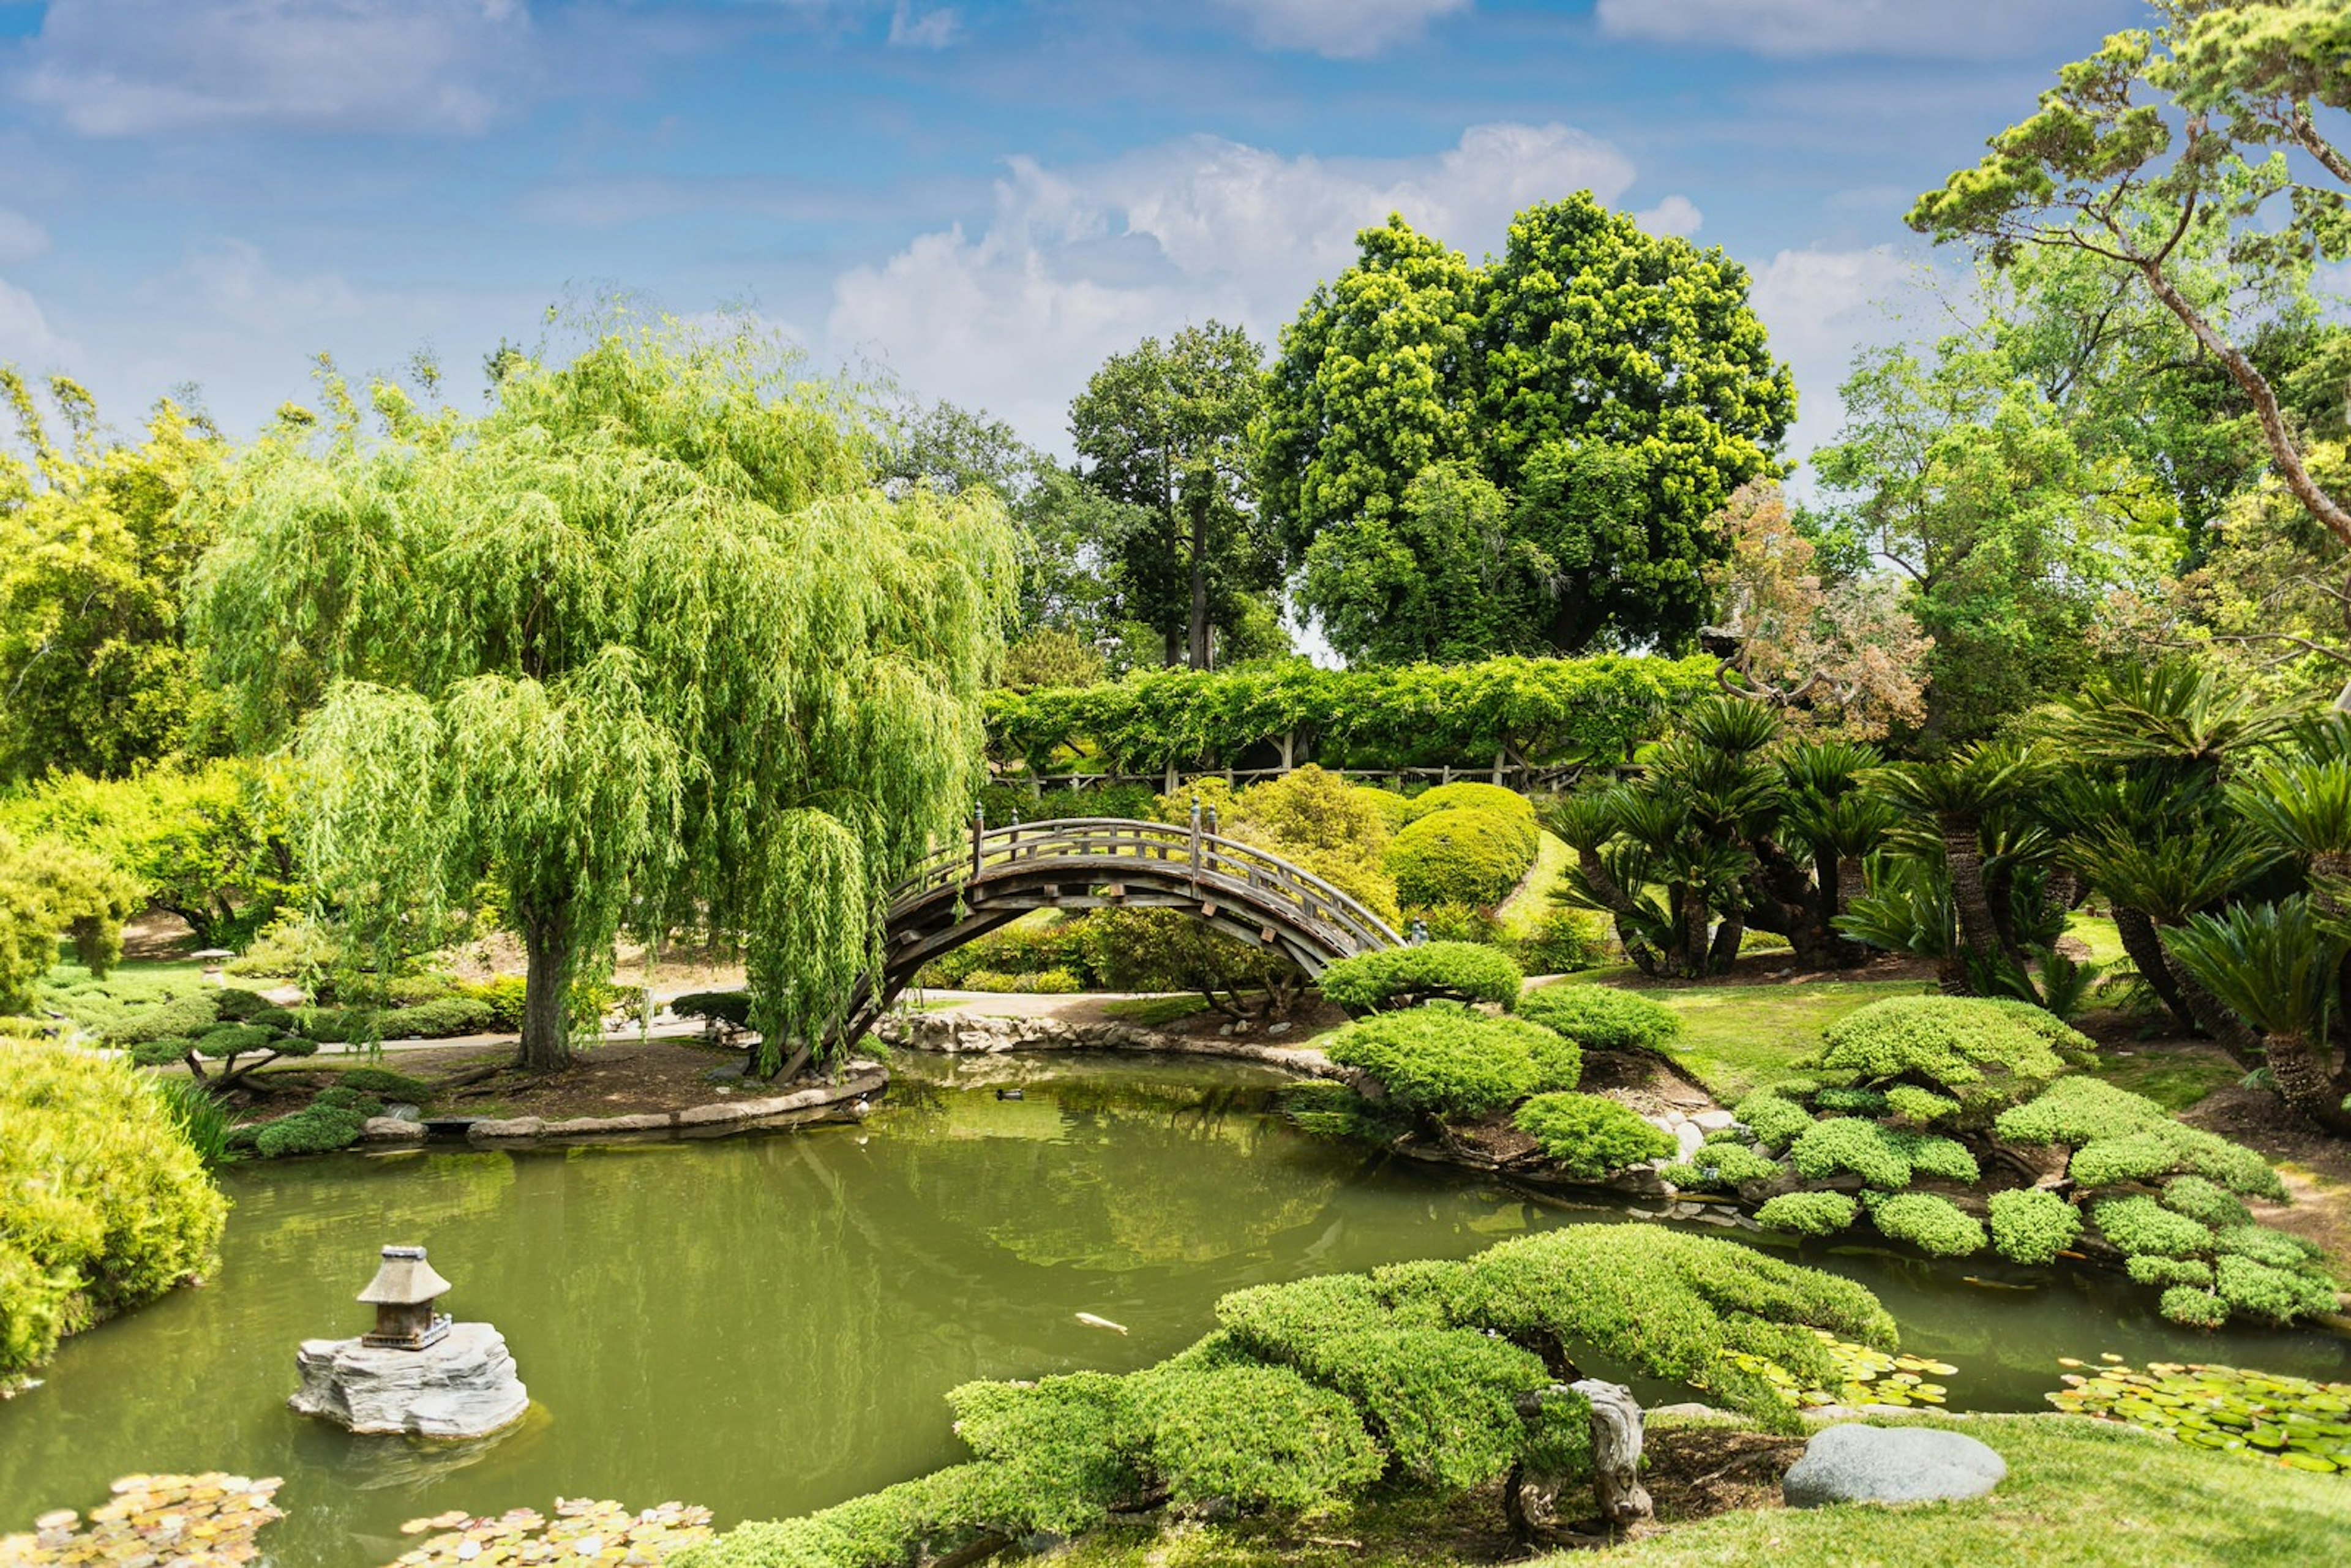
644 646
1614 386
93 678
1164 429
2225 121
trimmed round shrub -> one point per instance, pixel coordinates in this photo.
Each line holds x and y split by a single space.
161 1053
2148 1269
1851 1102
1445 1060
1462 971
1602 1018
1775 1119
2263 1245
1560 940
1718 1167
1588 1137
236 1006
2074 1111
2169 1146
2136 1224
232 1039
1923 1106
503 998
1393 810
1259 1436
383 1081
186 1016
1458 857
328 1123
1885 1157
437 1019
1933 1224
2028 1225
104 1204
2194 1309
1808 1213
2206 1202
2279 1295
731 1007
1507 804
1981 1054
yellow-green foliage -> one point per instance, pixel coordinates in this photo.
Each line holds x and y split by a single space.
1393 808
1808 1213
1885 1157
1445 1059
1313 819
2028 1225
103 1203
1459 856
1588 1137
1460 971
49 890
1601 1018
1775 1119
1507 804
2073 1111
1933 1224
1721 1166
1988 1055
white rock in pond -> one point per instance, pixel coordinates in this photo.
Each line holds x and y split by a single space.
1890 1464
1690 1138
1713 1120
465 1387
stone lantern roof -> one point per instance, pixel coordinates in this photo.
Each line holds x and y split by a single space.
404 1280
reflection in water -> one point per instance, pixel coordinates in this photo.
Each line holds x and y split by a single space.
767 1324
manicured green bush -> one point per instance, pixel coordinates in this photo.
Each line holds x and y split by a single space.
504 997
2136 1224
1588 1137
235 1040
1718 1167
1063 1442
1808 1213
1560 941
730 1008
1885 1157
2194 1309
1260 1437
1445 1060
2206 1202
233 1005
183 1016
1851 1102
162 1053
2279 1295
2274 1248
1392 810
1400 976
439 1019
1507 804
2149 1269
1775 1119
104 1203
2167 1147
1458 856
1602 1018
1933 1224
1986 1055
2075 1109
1923 1106
2030 1225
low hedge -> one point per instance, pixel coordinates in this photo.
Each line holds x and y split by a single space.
1458 971
1601 1018
1444 1059
1459 856
104 1204
1589 1137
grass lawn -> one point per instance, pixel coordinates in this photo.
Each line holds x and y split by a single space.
2097 933
2087 1494
2172 1081
1737 1038
1531 899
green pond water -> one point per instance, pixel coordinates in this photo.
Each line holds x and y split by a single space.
766 1324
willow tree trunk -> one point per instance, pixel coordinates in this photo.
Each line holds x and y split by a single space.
1200 621
545 1040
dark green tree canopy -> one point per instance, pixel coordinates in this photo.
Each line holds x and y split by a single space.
643 645
1612 386
1162 429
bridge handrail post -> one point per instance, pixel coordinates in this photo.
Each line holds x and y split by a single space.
979 832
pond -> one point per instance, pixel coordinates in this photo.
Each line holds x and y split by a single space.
765 1325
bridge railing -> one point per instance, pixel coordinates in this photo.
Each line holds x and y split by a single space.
1113 840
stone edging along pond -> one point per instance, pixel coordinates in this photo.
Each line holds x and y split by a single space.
863 1081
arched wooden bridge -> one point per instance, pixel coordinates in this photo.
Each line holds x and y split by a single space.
1109 862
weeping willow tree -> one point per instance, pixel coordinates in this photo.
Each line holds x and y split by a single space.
643 649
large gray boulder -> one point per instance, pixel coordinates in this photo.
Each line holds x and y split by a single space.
1890 1464
464 1386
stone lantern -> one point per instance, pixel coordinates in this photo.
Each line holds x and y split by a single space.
403 1293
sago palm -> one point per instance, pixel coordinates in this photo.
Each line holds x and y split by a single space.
2164 881
2275 964
2172 711
1956 796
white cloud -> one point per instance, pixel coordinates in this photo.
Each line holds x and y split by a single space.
27 339
1077 263
1340 29
131 67
21 239
231 282
912 30
1923 28
1820 307
1674 215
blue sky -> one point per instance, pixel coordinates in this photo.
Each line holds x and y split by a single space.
983 198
